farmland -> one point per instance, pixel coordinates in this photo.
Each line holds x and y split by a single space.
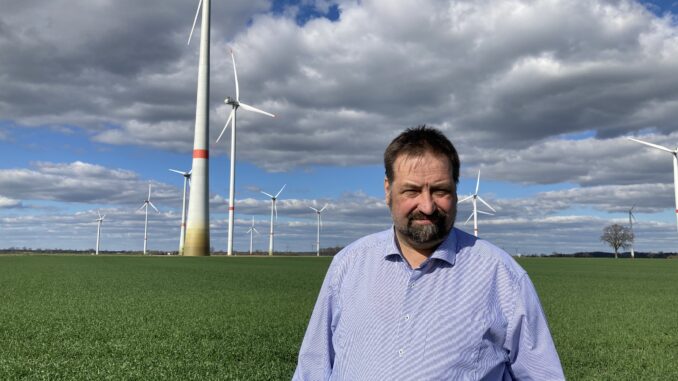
153 318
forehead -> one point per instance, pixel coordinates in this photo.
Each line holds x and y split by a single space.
427 166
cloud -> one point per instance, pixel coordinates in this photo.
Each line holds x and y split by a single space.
6 203
80 182
497 73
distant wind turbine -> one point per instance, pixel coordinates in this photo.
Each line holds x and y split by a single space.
197 233
631 219
274 208
145 205
182 234
320 222
252 231
235 103
674 152
474 198
99 221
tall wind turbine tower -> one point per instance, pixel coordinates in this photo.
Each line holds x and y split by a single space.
182 233
145 205
252 231
274 208
674 152
197 241
99 221
235 103
631 218
474 199
320 222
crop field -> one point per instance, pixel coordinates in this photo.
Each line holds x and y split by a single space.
162 318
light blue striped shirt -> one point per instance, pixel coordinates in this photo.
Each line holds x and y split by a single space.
469 312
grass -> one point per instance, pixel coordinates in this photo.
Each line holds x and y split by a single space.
160 318
611 319
141 318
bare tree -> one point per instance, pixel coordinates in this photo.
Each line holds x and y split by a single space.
617 236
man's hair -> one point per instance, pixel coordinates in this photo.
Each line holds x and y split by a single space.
416 142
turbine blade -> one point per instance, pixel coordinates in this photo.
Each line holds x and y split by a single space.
153 206
468 219
478 182
251 108
323 208
99 213
465 199
179 172
230 116
235 75
280 191
316 210
489 214
657 146
320 218
269 195
197 12
142 205
275 209
149 191
486 204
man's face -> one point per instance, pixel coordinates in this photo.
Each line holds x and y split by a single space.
422 200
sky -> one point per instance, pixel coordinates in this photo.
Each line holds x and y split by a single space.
97 100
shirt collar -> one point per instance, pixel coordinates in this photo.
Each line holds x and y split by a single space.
446 251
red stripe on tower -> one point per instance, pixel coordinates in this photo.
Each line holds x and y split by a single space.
200 154
233 208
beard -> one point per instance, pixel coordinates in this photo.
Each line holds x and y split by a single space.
426 236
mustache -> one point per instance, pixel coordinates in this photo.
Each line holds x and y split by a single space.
435 216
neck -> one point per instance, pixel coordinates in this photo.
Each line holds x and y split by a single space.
414 256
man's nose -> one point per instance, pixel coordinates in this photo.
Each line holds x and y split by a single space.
426 204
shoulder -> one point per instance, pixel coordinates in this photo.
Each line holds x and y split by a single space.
359 252
477 251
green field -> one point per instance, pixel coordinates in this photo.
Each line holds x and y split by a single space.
160 318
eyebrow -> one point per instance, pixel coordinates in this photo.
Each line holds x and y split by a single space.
442 184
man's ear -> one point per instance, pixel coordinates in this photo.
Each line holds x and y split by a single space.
387 191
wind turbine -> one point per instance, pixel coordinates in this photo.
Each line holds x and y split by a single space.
235 103
99 221
631 219
252 231
182 237
674 152
197 240
274 208
145 205
474 199
320 222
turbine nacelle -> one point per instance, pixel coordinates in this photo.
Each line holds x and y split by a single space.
232 102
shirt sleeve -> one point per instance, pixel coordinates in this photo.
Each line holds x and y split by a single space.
532 353
316 356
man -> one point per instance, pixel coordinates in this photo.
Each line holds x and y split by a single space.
424 300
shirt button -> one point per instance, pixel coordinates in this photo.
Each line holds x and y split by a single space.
407 317
400 353
412 285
